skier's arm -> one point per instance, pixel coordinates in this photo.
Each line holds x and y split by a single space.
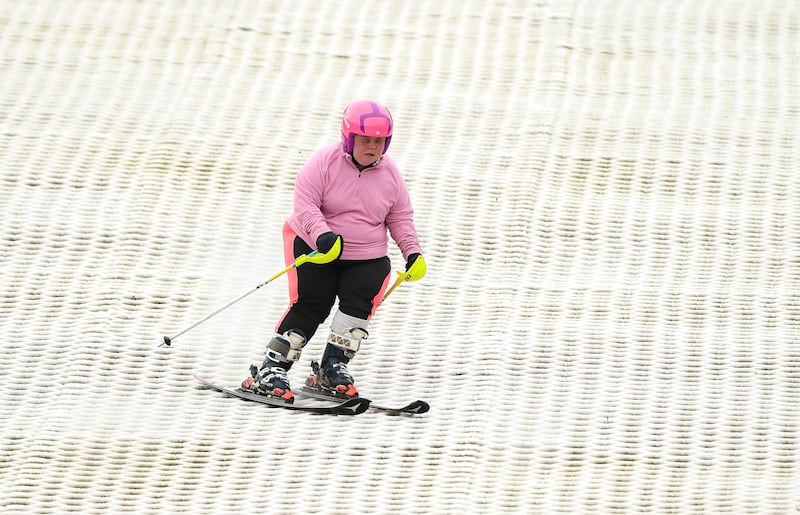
308 192
400 222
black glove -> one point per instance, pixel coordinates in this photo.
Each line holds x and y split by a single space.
326 241
411 258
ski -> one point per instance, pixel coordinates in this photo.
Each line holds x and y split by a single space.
314 390
353 406
417 407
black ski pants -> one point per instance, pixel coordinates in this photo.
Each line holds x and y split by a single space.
313 289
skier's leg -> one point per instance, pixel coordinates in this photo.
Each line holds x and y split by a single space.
361 284
312 292
312 289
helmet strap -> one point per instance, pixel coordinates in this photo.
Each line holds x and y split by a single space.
361 167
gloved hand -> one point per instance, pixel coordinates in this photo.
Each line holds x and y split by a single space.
415 267
326 241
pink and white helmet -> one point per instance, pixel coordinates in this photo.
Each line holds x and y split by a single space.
367 118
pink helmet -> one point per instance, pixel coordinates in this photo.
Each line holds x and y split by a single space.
367 118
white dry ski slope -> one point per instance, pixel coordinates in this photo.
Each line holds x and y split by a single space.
607 193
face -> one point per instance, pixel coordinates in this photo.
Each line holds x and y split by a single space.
367 149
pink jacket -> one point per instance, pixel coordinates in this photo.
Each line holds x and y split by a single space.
331 195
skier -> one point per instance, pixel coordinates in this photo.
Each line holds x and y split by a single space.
346 198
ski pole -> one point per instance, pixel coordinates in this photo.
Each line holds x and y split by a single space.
400 279
312 257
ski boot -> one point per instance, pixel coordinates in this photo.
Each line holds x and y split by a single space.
272 379
333 376
333 380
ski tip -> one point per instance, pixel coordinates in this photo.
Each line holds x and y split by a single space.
417 407
354 406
